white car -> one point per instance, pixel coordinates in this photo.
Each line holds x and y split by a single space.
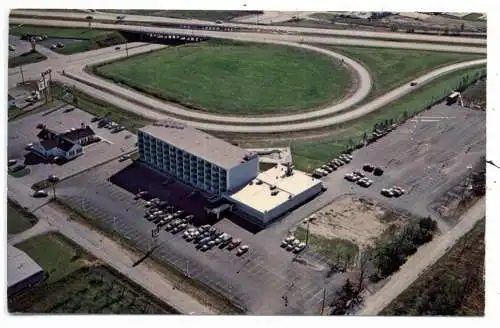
299 247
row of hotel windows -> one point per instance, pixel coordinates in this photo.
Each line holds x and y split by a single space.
178 156
214 184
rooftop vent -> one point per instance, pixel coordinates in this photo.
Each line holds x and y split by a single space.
274 192
272 187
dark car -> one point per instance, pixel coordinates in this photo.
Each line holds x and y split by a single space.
53 178
378 171
368 168
413 84
95 119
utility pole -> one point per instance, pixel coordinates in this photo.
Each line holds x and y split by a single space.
126 47
187 268
22 74
307 234
323 304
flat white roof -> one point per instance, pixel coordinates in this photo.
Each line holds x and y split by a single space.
19 266
258 196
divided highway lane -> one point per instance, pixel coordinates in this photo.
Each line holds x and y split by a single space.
259 37
290 29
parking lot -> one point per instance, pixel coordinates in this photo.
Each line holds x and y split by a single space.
21 46
257 280
24 131
426 156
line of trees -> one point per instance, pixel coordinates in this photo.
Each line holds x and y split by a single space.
392 252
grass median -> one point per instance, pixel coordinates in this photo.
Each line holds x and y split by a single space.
390 68
18 220
26 58
89 39
100 108
234 78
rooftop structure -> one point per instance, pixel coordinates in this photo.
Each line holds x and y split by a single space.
21 270
198 143
275 191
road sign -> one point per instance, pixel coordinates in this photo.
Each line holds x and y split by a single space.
43 84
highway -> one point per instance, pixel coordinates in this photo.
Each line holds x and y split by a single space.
155 109
285 29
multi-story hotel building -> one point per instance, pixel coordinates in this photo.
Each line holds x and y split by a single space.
196 158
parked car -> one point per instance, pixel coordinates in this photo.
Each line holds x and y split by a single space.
299 247
387 192
326 168
29 146
365 182
12 162
95 119
378 171
413 83
40 194
233 244
242 250
53 178
124 158
368 167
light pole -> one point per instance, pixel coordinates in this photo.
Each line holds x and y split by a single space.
307 233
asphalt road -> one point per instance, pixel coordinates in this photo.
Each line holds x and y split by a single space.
289 29
258 37
154 109
425 256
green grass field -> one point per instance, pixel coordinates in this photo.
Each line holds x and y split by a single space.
391 68
337 250
77 284
53 254
91 38
17 220
57 32
234 78
310 154
26 58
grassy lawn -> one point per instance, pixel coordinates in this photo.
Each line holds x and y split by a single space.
54 254
337 250
26 58
57 32
310 154
97 107
20 173
233 78
91 38
75 286
391 68
17 220
453 286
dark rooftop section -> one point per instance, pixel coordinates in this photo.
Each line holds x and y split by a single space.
78 134
49 143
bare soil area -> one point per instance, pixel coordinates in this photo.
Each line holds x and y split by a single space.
358 220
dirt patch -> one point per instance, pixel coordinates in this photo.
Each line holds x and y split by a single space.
357 220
